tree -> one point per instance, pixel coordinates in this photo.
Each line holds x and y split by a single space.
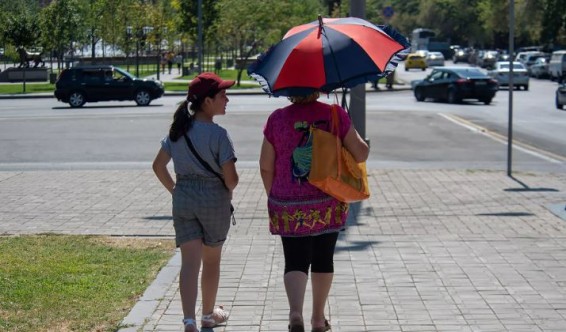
553 30
187 17
249 36
20 28
63 25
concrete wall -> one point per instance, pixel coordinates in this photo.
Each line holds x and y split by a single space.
31 75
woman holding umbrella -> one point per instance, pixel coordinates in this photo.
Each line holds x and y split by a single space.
319 56
307 219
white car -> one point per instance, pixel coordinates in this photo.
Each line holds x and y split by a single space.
500 73
434 59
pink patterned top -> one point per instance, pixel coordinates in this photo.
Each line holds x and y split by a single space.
296 208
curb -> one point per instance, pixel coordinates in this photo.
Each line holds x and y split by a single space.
179 93
153 295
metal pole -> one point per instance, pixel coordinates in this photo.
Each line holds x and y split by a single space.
358 93
511 51
199 36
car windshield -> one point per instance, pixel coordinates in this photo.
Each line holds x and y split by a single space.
515 66
469 73
124 73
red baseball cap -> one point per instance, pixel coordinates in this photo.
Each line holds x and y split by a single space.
205 83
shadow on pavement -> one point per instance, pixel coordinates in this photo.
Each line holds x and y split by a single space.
525 187
166 218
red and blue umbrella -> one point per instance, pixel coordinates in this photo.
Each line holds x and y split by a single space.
328 54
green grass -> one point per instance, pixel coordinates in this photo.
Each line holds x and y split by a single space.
228 74
74 283
182 86
16 88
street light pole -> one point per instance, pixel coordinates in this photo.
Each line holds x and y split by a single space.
358 93
200 64
511 51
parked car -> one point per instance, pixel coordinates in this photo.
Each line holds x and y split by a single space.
414 60
539 69
454 84
475 57
503 57
501 74
82 84
561 96
531 58
453 50
434 59
461 55
522 56
557 66
488 59
422 53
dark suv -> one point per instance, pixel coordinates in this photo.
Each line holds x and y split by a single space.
82 84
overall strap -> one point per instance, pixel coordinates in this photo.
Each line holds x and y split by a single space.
203 163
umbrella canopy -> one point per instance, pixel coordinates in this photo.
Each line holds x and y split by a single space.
327 54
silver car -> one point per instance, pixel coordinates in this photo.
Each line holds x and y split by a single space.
434 59
500 73
540 68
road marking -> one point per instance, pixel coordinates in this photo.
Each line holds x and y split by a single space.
534 151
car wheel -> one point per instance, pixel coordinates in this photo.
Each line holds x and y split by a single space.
558 105
453 97
424 69
77 99
486 101
419 95
406 69
526 87
143 98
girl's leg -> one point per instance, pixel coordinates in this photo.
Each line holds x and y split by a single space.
210 278
322 275
191 253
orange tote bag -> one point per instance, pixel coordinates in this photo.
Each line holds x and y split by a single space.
333 169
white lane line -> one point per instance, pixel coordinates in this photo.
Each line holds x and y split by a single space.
548 156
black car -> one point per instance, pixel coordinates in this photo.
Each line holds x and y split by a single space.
454 84
461 55
561 96
82 84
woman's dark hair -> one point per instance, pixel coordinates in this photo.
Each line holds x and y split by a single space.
183 119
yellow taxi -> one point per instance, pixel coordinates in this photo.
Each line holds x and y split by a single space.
414 60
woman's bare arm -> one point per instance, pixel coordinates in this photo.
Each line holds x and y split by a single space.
267 164
356 145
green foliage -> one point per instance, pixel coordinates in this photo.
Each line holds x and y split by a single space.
20 26
554 22
63 19
187 18
251 26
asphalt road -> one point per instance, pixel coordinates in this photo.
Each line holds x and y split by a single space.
128 137
403 133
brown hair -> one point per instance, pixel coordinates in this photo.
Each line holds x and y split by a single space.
183 118
304 99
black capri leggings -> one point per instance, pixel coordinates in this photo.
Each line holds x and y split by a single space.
314 251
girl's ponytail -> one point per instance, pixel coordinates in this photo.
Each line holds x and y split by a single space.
182 120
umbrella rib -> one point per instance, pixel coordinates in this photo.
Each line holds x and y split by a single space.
333 56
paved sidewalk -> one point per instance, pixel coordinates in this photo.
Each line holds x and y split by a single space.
431 250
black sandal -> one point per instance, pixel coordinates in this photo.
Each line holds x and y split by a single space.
297 328
326 327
